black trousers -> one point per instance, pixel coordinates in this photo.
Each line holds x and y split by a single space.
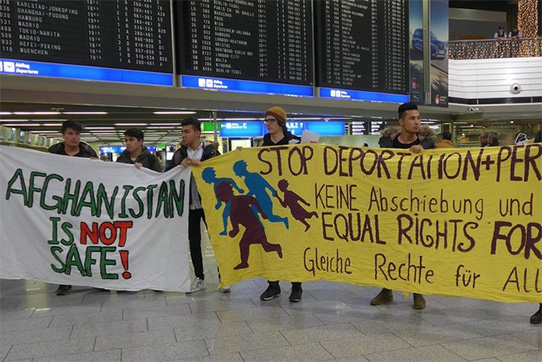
194 236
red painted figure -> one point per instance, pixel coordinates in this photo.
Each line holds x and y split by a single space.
241 213
293 200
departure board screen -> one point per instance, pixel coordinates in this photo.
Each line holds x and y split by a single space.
362 45
122 34
255 40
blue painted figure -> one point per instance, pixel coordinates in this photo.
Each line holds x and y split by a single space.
257 187
209 176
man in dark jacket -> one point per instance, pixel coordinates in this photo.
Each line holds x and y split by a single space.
192 152
72 146
407 137
137 154
278 134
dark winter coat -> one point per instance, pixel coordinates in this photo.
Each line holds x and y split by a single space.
84 150
146 158
391 133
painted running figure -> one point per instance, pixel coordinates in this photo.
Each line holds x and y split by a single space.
293 201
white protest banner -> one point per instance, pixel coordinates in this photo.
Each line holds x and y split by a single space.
69 220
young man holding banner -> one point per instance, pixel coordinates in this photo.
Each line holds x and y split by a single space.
407 137
278 134
137 154
72 146
191 153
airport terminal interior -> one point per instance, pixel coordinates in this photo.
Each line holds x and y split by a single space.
339 70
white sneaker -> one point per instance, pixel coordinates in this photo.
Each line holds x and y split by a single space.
225 289
198 285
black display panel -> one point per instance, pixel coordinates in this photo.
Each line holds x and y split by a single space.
134 34
362 45
255 40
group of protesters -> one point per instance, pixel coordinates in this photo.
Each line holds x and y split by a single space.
410 134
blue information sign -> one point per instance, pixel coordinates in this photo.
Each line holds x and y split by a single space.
41 69
363 95
245 86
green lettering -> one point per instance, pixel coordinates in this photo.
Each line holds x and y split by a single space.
44 187
89 260
101 197
66 226
54 238
150 197
127 189
137 198
17 176
54 251
162 200
177 198
88 192
73 197
73 258
105 262
32 188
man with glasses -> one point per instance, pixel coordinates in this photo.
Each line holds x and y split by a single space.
278 134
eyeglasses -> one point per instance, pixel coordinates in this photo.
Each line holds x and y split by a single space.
269 120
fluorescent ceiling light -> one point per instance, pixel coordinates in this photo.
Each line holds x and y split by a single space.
40 113
44 131
14 120
158 127
86 113
132 124
21 124
165 124
99 127
174 112
4 113
51 124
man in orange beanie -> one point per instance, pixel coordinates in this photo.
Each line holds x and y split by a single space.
278 134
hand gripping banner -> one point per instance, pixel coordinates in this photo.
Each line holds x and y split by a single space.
460 222
69 220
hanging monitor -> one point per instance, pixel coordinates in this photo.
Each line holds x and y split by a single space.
105 40
246 46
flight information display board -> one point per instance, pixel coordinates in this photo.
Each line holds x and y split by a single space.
256 41
117 34
362 45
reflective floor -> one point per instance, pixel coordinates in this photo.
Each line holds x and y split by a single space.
332 322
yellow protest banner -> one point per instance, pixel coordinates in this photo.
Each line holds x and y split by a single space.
459 222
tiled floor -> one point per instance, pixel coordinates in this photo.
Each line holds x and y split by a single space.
333 322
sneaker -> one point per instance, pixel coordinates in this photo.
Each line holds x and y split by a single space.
419 301
198 285
295 295
272 291
385 296
537 317
63 289
225 289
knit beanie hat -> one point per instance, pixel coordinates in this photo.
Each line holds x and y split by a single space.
278 113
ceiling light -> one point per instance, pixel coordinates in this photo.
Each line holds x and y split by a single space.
165 124
21 124
158 127
14 120
39 113
85 113
46 131
51 124
4 113
99 127
132 124
174 112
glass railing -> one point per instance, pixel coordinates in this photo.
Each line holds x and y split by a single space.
495 48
